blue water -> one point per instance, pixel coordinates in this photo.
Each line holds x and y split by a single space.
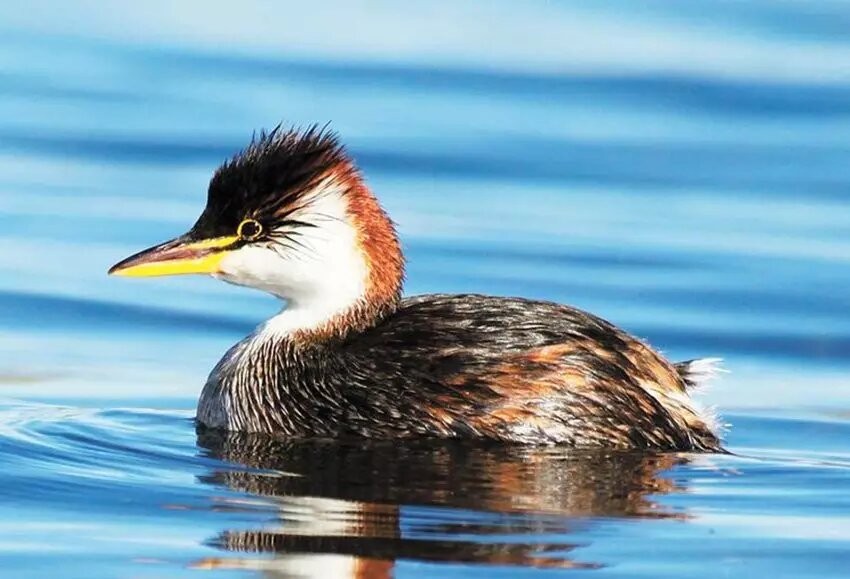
678 168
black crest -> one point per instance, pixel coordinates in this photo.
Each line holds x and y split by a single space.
266 180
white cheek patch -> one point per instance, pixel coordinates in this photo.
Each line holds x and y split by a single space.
320 272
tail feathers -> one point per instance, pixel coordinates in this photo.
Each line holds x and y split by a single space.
697 373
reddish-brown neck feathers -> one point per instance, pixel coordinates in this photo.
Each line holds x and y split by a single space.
379 246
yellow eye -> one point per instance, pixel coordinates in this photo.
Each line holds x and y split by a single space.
249 229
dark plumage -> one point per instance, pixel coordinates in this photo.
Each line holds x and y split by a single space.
466 366
266 180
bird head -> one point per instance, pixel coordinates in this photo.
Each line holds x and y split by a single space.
290 215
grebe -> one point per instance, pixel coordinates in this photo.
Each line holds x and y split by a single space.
348 356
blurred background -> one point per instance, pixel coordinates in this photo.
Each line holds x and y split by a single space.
679 168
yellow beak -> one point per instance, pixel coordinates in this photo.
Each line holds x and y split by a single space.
175 257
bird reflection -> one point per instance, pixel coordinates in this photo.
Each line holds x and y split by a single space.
352 509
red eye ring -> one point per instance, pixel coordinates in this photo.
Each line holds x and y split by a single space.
249 229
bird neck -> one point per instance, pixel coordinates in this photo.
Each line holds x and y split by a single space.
362 287
299 324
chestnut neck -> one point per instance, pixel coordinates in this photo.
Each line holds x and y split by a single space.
378 245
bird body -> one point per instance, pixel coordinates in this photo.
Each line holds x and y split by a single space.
348 356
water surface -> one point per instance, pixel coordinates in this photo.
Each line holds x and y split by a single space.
683 176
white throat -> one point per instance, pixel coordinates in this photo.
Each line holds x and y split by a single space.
321 273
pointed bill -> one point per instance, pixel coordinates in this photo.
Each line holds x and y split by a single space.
176 257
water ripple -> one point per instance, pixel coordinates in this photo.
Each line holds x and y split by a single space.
288 505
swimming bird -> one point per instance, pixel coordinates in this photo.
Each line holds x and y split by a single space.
292 215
